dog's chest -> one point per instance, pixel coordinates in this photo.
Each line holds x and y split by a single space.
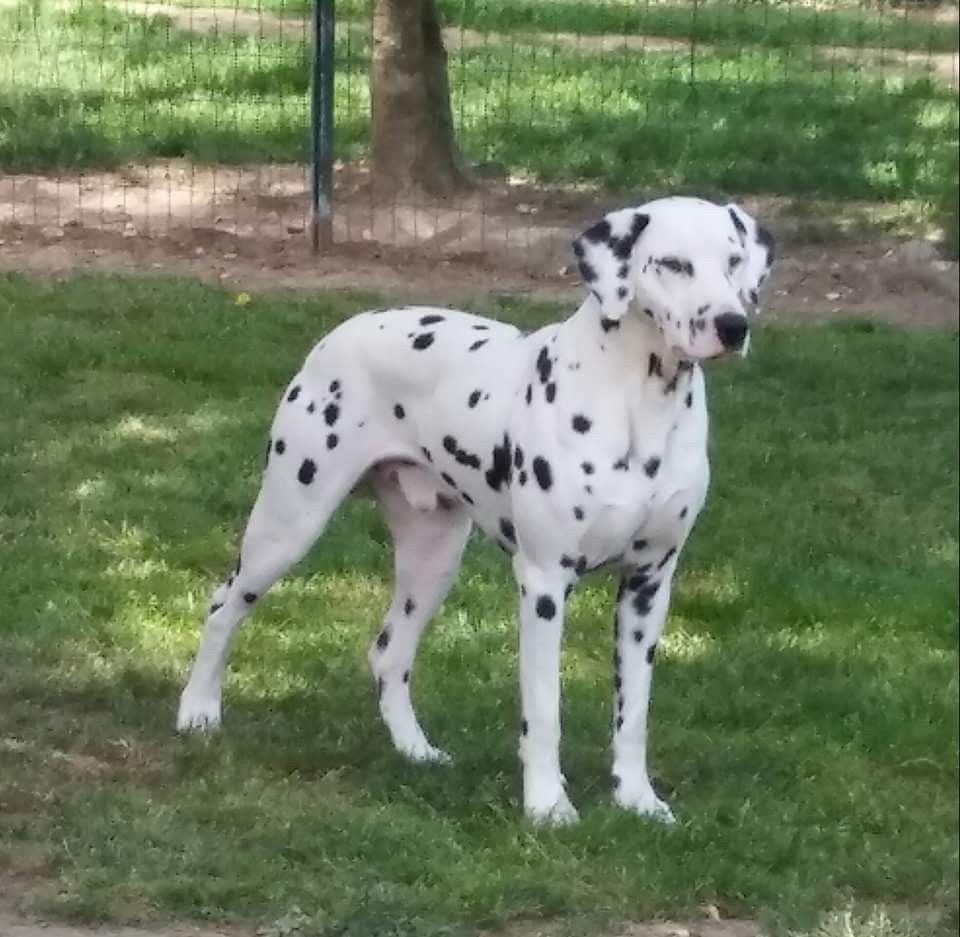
655 509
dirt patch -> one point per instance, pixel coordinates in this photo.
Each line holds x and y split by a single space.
247 228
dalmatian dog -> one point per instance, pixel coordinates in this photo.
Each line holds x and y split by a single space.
581 445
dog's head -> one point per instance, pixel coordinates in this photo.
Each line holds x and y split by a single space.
692 267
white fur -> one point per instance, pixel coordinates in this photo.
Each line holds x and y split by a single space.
581 445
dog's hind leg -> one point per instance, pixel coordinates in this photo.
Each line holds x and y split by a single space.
291 511
428 537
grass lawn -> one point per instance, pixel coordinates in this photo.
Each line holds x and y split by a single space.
805 714
774 25
91 86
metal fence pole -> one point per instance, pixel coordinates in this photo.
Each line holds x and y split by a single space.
321 124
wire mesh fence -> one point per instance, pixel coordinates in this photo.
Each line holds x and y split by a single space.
130 119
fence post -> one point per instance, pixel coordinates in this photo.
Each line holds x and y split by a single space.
321 124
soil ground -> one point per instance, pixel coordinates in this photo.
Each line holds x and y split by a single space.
247 228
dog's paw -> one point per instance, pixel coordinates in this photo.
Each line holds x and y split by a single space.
198 715
559 812
424 753
645 803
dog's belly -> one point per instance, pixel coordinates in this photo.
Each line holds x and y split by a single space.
434 387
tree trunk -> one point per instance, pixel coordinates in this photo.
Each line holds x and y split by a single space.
413 146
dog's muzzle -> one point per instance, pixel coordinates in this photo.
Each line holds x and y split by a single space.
732 328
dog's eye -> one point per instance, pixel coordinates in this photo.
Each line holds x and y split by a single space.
735 261
676 265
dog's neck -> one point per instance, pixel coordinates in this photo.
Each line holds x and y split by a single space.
633 371
629 348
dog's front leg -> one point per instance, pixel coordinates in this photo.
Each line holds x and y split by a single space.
541 633
641 611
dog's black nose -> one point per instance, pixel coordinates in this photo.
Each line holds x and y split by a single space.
732 330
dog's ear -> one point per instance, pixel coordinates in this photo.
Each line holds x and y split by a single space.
605 258
760 249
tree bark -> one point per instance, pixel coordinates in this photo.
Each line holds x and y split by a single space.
413 148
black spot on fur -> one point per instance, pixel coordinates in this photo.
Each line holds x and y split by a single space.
619 723
279 447
308 468
651 653
643 596
765 238
466 497
551 392
398 411
508 530
655 366
639 544
587 271
598 232
330 414
409 606
580 423
499 472
431 320
544 365
688 400
587 468
522 478
249 597
578 513
383 639
684 513
666 557
622 464
608 324
332 441
426 453
638 636
738 224
422 341
294 393
480 328
529 395
406 676
651 466
215 607
524 727
478 344
546 607
474 398
311 407
448 479
334 386
542 472
517 457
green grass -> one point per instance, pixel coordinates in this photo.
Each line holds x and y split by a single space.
773 25
93 87
805 715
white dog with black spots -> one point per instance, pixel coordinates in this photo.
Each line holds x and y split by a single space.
581 445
